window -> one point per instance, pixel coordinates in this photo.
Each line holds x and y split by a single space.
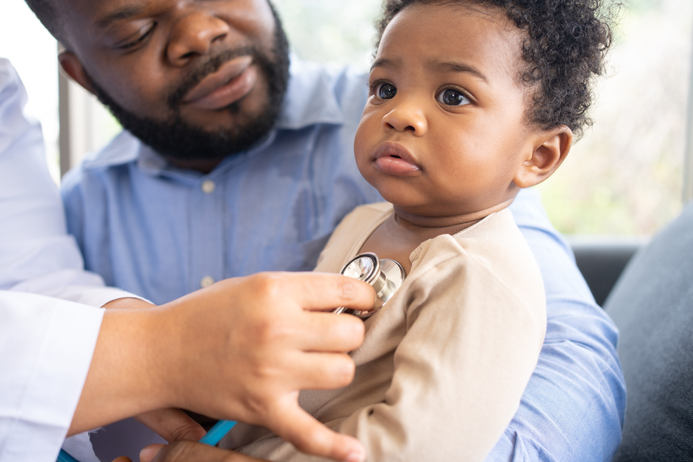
626 175
32 51
86 126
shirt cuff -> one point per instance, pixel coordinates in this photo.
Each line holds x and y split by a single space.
96 296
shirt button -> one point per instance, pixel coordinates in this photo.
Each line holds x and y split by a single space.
208 186
206 281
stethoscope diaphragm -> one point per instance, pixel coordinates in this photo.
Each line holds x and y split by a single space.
386 276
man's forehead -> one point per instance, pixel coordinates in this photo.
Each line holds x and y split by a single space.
103 13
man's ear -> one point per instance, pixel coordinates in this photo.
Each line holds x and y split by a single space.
551 149
73 67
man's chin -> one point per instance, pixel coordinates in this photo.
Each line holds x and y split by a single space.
231 119
218 139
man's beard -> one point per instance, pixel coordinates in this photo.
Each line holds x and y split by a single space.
176 139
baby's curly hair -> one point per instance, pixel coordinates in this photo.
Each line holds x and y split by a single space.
564 49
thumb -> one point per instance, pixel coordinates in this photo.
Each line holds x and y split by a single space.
312 437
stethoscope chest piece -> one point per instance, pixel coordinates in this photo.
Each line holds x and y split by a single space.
386 276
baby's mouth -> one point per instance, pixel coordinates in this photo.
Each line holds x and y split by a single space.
394 159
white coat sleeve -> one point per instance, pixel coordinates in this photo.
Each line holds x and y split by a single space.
36 253
46 346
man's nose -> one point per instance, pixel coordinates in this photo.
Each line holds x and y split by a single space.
408 115
193 35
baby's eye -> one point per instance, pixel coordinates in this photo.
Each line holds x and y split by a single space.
386 91
452 97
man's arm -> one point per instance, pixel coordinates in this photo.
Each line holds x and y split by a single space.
572 409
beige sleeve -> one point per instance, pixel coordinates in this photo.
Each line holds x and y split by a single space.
460 371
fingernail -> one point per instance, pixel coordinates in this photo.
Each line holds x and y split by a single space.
356 457
149 453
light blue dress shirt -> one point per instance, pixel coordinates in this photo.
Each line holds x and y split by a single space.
162 232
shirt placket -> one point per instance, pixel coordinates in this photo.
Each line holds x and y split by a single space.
206 234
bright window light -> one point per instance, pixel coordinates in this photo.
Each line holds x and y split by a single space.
32 51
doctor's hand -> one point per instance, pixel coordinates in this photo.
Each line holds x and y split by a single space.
241 350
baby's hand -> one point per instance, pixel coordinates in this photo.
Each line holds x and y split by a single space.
172 425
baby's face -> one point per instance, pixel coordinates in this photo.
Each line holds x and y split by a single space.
444 130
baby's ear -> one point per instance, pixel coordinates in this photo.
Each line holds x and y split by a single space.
550 149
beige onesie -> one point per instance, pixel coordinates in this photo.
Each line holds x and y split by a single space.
445 362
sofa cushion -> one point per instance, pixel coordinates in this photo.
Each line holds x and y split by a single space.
652 305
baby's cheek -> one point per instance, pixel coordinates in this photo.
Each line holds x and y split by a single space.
362 141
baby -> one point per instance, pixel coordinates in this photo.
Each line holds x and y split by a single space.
470 101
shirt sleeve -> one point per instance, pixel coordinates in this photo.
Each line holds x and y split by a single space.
46 346
36 253
573 407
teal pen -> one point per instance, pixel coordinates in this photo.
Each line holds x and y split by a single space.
217 432
65 457
212 438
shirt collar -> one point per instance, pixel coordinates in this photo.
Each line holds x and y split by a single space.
310 99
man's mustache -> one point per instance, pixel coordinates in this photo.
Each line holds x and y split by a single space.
203 69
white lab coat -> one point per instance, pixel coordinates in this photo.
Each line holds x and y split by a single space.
48 323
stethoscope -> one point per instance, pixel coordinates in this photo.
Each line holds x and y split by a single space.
385 275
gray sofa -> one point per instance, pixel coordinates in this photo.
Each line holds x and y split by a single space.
652 305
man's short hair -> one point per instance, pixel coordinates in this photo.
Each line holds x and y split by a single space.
47 13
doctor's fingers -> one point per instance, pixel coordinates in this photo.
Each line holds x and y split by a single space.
325 292
308 435
319 331
318 371
190 451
